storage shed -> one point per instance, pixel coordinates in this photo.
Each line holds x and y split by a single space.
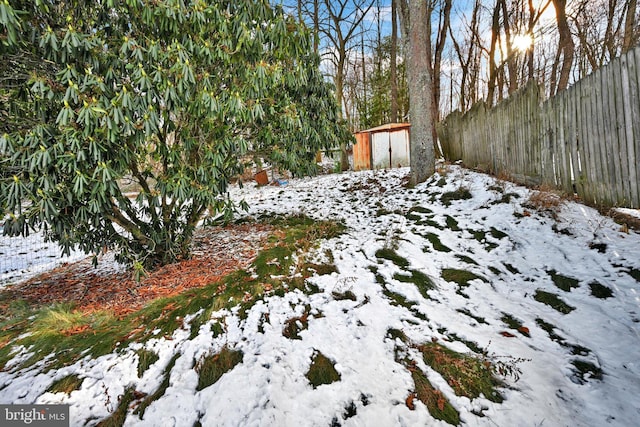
382 147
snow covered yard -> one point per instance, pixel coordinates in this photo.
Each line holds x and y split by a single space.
549 292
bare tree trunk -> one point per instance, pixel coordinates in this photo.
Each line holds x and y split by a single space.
493 67
443 29
530 52
566 48
393 66
316 26
630 30
414 15
365 102
508 57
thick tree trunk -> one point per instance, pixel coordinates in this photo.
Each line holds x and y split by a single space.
415 24
566 48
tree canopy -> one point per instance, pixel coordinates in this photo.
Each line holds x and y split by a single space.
171 96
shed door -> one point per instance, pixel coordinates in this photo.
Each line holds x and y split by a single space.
399 149
380 150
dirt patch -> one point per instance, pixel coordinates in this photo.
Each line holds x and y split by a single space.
217 251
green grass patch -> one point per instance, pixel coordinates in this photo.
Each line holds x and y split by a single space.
599 290
391 255
467 375
563 282
394 334
67 334
472 345
635 273
413 217
466 312
550 330
452 223
379 277
146 358
461 193
58 330
587 370
461 277
322 370
418 278
319 269
497 233
576 350
506 198
120 414
397 299
420 209
160 391
66 385
436 243
515 324
438 405
511 268
553 301
466 259
211 368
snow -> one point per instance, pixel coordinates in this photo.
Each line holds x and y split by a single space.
269 387
24 257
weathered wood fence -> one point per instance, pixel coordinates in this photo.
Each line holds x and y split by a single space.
585 140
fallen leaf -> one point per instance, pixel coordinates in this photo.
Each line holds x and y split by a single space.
410 400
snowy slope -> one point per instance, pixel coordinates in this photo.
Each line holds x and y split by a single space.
515 250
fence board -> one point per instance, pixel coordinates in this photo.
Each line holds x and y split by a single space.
621 129
634 81
628 127
602 162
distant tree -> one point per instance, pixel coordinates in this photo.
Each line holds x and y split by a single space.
171 96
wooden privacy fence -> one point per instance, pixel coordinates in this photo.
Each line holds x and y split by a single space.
584 140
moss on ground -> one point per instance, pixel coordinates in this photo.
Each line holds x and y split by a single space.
461 193
461 277
322 370
211 368
515 324
599 290
418 278
391 255
586 370
553 301
436 243
563 282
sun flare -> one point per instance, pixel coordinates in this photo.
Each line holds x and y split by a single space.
522 42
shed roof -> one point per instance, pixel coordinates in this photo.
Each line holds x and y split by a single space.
387 127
